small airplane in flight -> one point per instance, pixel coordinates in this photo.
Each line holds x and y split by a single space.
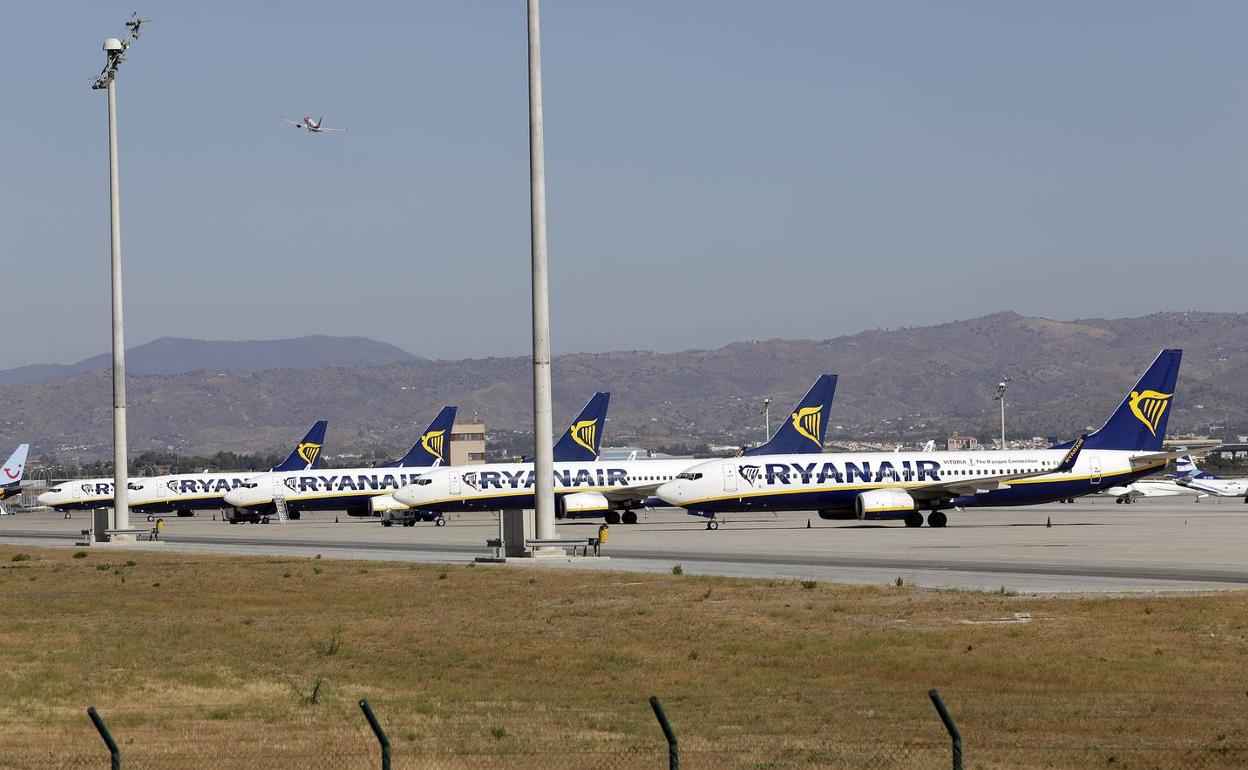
313 126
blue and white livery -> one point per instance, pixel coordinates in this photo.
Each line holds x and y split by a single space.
612 490
899 485
354 490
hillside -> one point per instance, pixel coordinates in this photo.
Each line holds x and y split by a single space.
918 383
178 355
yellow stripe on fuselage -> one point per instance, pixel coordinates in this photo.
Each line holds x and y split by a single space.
913 485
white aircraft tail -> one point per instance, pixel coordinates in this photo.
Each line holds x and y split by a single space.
15 467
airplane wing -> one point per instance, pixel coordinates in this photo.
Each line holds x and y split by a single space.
294 123
332 129
1155 457
959 487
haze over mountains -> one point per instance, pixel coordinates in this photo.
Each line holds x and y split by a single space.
177 355
915 383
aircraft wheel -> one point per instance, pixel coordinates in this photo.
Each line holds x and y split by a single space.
440 521
937 519
629 517
914 519
387 523
612 517
185 513
67 514
264 519
1118 500
712 524
150 517
411 523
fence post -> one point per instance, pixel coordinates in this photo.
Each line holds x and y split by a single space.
380 733
950 725
673 750
113 752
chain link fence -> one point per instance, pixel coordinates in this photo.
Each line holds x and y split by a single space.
367 744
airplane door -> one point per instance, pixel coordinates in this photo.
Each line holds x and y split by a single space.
1095 464
730 478
453 480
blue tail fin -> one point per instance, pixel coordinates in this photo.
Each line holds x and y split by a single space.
13 468
307 453
580 442
434 445
1139 422
802 431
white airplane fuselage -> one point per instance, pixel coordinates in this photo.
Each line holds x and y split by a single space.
832 483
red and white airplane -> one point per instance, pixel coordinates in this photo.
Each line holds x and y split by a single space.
313 126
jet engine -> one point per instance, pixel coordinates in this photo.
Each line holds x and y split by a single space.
883 504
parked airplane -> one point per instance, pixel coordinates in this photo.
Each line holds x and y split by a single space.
313 126
589 489
1189 475
899 485
185 493
1152 487
12 471
85 494
11 475
349 489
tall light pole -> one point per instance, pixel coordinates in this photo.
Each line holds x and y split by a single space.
543 449
1001 386
766 413
114 55
113 50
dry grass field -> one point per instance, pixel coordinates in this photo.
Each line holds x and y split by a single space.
191 658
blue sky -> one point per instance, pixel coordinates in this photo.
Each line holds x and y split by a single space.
716 170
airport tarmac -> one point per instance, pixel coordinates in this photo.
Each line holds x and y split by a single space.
1093 545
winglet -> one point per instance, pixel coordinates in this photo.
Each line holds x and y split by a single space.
1072 456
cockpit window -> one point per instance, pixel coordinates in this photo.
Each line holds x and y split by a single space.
689 476
422 482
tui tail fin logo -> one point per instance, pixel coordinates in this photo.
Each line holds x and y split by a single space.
434 442
308 451
1148 406
583 433
806 422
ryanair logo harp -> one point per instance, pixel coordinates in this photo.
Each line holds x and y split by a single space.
308 451
584 432
1148 406
434 442
806 422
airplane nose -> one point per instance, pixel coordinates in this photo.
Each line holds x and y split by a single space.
234 498
406 496
45 499
671 493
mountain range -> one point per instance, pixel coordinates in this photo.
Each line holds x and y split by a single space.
178 355
908 383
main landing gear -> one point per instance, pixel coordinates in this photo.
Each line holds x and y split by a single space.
936 518
712 524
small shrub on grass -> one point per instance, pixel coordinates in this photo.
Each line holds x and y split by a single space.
332 646
131 563
80 554
809 584
678 570
20 557
499 733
